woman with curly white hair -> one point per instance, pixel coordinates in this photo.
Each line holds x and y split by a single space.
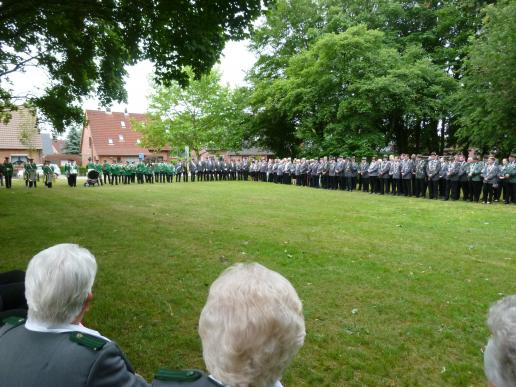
500 353
251 327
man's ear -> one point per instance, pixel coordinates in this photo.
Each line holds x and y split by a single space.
87 303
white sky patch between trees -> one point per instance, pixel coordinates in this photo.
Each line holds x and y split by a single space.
235 61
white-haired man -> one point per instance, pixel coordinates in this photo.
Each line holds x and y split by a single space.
500 353
52 348
251 328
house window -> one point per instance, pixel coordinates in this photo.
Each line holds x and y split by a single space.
122 124
121 137
110 141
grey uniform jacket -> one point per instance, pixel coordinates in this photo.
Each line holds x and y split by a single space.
193 378
433 167
43 359
407 167
490 174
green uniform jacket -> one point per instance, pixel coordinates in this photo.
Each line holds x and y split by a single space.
475 171
510 170
8 169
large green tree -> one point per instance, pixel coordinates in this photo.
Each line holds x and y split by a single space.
411 100
198 115
85 45
486 102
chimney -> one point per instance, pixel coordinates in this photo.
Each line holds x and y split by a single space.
108 110
125 111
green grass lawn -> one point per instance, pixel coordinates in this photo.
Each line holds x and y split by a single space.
420 274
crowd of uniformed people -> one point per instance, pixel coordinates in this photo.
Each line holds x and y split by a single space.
473 179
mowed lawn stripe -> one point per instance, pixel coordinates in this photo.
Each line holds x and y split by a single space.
395 289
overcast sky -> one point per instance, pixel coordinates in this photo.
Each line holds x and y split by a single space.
235 61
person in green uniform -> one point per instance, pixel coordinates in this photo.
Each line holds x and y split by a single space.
49 174
475 178
67 173
149 173
157 172
115 173
8 172
31 174
140 171
106 172
98 167
73 170
90 165
510 176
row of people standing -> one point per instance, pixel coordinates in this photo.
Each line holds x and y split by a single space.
443 177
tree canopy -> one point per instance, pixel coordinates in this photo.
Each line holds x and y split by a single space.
198 115
84 46
355 76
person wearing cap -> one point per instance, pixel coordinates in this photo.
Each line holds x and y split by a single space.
372 171
463 177
106 172
420 182
407 168
510 176
432 171
452 179
49 174
490 180
90 165
31 174
443 174
396 176
502 186
364 174
8 172
52 348
475 179
384 176
98 167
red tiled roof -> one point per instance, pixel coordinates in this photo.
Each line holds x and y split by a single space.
22 120
59 145
107 125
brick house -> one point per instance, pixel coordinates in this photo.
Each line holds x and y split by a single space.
20 138
110 136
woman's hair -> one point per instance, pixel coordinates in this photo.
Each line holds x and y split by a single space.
251 326
57 283
500 353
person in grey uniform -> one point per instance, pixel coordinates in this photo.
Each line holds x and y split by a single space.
396 176
421 178
463 177
443 173
373 175
364 174
407 169
192 166
274 331
490 176
452 180
432 171
339 173
331 174
384 176
52 348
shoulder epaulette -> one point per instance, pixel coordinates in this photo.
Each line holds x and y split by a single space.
13 321
177 375
88 341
